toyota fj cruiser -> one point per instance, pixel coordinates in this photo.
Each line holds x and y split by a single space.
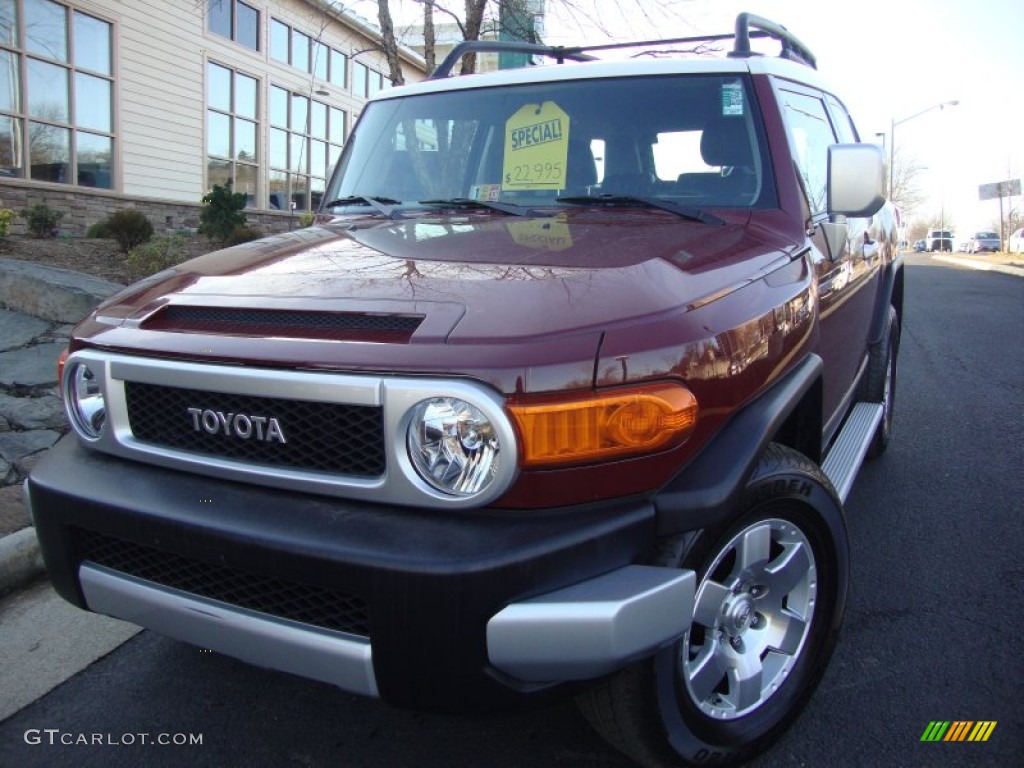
562 394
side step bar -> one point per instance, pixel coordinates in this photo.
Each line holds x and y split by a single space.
850 448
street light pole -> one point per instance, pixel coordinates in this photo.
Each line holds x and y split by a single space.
892 136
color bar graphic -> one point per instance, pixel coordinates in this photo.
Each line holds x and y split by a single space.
958 730
982 730
935 731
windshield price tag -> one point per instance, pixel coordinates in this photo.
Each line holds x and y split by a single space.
536 148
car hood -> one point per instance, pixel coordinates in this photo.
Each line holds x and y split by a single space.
542 290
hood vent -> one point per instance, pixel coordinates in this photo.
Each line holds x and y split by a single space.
266 323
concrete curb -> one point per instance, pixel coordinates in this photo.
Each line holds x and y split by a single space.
960 261
20 559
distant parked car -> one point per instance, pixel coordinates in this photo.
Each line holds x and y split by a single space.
939 240
919 246
1016 244
985 240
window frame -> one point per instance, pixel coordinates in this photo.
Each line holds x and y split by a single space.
788 87
330 55
234 116
75 133
303 137
234 36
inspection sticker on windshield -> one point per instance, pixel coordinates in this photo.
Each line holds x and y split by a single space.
732 99
536 148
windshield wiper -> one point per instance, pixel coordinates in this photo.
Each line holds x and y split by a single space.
466 202
383 205
687 212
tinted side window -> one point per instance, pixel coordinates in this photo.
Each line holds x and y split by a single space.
811 135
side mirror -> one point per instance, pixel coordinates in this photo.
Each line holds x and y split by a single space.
856 179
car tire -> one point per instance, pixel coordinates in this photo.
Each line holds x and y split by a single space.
879 383
770 600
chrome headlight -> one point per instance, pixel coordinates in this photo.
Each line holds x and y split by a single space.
453 446
83 397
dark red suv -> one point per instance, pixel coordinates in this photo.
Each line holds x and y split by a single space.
562 394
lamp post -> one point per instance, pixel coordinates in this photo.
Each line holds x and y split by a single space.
892 135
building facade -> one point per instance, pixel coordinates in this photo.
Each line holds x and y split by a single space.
108 104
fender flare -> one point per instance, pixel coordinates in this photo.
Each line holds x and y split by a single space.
890 293
710 487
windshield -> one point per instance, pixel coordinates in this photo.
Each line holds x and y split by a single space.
986 236
696 140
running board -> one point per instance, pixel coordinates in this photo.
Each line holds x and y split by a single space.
850 448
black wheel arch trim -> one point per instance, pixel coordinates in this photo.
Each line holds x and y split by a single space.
890 293
710 487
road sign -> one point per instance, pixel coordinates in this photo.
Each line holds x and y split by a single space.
999 189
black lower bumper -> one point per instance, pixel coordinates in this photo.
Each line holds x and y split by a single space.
423 584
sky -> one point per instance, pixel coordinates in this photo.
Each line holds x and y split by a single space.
887 60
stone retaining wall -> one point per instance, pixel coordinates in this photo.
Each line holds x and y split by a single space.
83 207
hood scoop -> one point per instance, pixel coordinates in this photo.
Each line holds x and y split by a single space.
279 323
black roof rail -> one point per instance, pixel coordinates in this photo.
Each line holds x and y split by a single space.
792 47
748 27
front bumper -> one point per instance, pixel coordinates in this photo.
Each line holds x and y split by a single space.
446 611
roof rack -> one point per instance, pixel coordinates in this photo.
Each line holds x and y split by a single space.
792 48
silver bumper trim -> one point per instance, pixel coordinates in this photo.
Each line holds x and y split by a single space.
594 627
319 654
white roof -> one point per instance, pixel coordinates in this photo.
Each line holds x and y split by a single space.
589 70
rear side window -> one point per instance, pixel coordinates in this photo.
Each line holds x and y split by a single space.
810 133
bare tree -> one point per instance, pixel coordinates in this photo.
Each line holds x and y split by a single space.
479 16
907 194
389 43
429 39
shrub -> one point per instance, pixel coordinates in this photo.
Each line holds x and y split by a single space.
130 229
158 254
222 212
243 233
306 219
98 230
6 217
42 222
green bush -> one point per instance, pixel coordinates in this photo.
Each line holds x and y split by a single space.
222 213
130 228
6 217
306 219
243 233
158 254
98 230
41 221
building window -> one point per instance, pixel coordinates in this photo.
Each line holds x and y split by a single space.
306 137
56 94
232 130
359 79
365 81
290 46
339 68
375 82
279 47
235 20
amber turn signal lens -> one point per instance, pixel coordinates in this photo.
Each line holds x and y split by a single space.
601 427
61 359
